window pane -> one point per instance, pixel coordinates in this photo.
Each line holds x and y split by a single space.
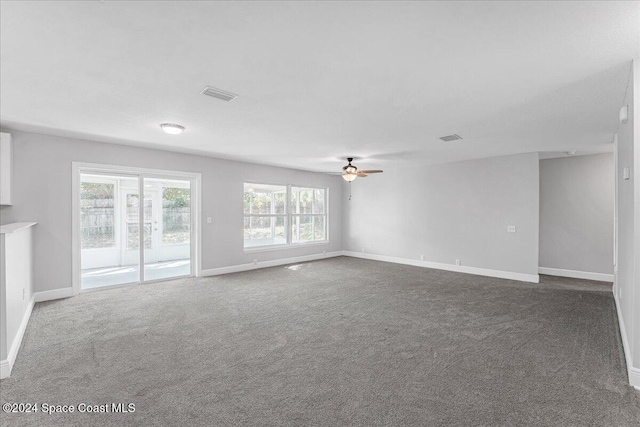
247 228
264 199
97 215
294 200
302 229
306 200
247 202
264 231
280 200
318 201
133 227
176 215
260 203
319 228
260 227
133 203
302 200
133 235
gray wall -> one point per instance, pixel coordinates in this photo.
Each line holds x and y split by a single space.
576 213
42 193
453 211
627 277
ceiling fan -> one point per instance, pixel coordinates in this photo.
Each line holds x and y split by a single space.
350 172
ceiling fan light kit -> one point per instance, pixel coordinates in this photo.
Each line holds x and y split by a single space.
349 176
350 172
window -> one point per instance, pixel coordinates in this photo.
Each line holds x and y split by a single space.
265 215
278 215
308 217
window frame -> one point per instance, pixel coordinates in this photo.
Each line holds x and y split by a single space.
288 218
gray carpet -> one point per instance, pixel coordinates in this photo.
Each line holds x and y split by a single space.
329 343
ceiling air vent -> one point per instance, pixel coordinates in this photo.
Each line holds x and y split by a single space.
450 137
218 93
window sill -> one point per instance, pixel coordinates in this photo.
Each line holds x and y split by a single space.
285 247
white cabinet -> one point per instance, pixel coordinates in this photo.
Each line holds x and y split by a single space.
6 168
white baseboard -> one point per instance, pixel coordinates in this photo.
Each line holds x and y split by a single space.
522 277
265 264
53 294
633 372
602 277
7 365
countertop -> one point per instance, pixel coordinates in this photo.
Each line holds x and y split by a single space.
15 227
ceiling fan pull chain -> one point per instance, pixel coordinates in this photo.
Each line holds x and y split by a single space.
349 190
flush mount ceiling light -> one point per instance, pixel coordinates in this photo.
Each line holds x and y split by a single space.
172 128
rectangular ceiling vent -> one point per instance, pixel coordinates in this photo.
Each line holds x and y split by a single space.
219 93
450 137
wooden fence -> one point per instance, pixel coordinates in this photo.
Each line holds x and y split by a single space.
97 221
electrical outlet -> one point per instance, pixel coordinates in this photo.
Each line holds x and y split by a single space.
324 252
458 262
209 219
511 228
421 257
362 250
255 261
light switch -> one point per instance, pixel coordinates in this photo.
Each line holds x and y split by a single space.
511 228
626 173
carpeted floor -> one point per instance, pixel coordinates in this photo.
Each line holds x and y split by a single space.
336 342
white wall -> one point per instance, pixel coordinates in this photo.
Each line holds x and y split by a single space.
451 211
42 193
16 292
576 213
627 276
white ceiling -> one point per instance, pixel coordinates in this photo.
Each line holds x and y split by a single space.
320 81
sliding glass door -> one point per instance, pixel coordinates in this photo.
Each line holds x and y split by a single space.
132 220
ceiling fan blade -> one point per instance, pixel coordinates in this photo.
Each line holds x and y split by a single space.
361 175
371 171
